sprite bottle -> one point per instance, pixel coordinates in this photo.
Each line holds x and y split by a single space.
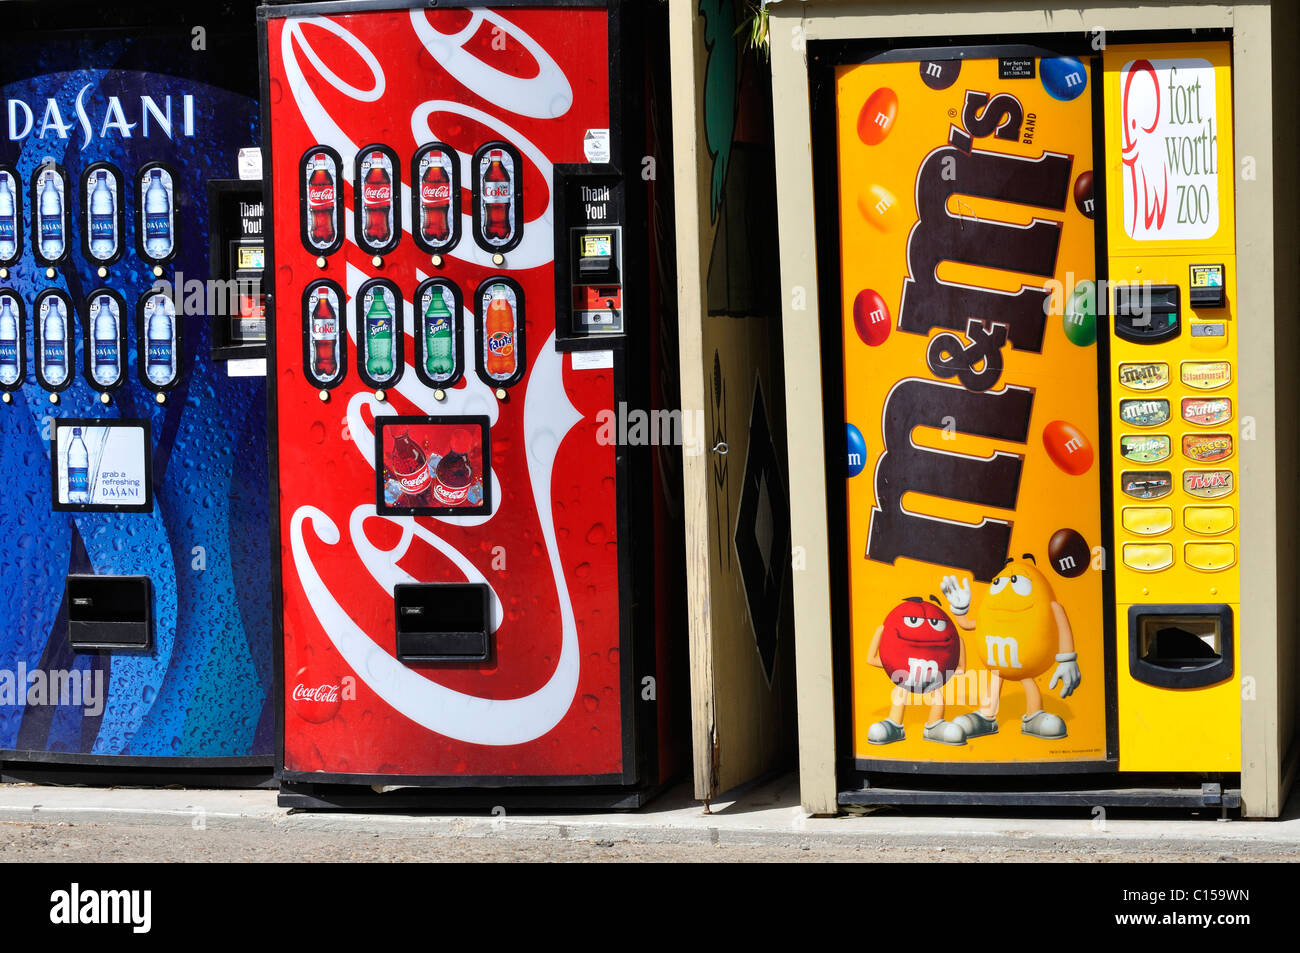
379 338
438 359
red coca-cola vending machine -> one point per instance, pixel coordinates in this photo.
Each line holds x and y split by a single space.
473 455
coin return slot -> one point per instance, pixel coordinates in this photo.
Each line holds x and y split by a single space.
1180 646
442 622
109 612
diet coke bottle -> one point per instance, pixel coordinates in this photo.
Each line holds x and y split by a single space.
498 194
324 337
321 200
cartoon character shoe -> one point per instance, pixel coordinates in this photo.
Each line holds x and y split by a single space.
973 725
1043 724
885 732
945 732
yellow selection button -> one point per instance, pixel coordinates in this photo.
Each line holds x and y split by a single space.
1148 557
1209 520
1210 557
1147 520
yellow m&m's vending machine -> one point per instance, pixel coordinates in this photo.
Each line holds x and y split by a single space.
1028 337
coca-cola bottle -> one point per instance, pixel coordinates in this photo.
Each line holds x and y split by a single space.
498 191
435 203
321 199
377 202
324 338
410 465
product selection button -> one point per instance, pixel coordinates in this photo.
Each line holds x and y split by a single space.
1206 375
1207 484
1144 448
1147 376
1148 557
1209 520
1144 413
1146 484
1147 520
1207 412
1207 448
1210 557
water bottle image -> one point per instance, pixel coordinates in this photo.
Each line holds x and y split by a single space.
157 211
54 342
160 334
10 342
102 208
51 216
8 218
107 351
78 469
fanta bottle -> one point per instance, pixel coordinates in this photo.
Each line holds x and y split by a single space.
499 331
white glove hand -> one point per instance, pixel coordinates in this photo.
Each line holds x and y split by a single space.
1067 673
957 594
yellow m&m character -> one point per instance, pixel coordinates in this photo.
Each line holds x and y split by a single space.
1021 629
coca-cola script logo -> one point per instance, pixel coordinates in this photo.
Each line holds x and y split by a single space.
415 483
315 703
377 194
321 693
452 496
320 196
435 193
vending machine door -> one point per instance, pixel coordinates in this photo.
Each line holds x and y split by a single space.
139 627
974 548
454 502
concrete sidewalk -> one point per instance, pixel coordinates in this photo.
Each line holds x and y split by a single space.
765 816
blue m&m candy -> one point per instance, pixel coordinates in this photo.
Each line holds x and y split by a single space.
1064 77
855 450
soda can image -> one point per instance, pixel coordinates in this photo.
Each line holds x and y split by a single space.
102 218
498 197
325 341
50 225
11 216
156 234
379 333
320 200
378 218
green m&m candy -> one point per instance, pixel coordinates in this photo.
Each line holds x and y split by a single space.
1081 314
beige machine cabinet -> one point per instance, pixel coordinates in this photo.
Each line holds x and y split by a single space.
1262 36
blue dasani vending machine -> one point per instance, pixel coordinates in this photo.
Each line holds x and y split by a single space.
135 561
